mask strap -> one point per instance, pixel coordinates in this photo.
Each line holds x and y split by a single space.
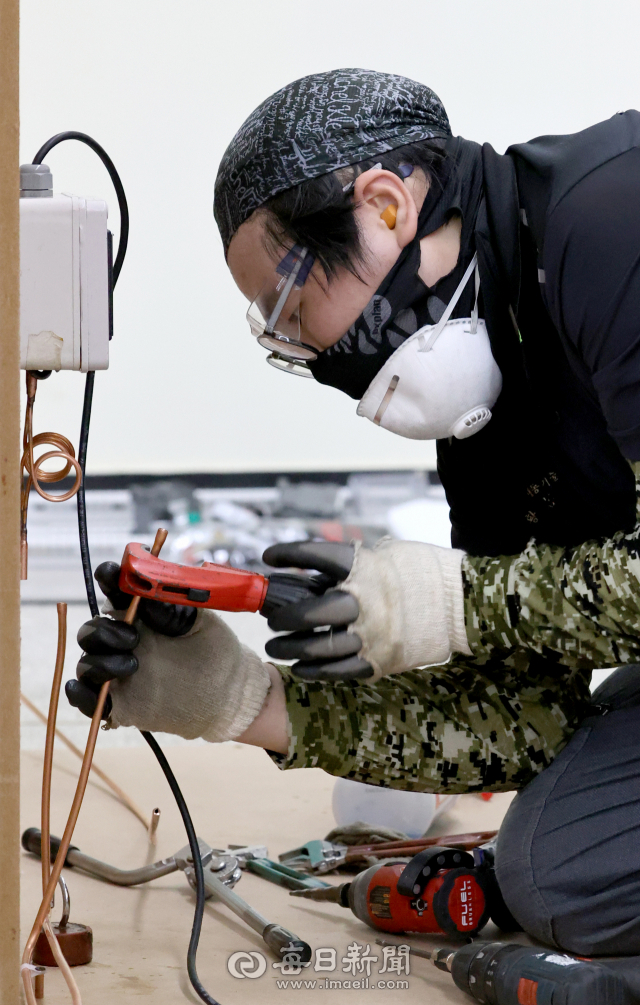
437 331
474 312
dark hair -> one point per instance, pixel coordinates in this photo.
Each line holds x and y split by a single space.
319 213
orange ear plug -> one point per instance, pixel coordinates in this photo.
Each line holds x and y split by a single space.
389 216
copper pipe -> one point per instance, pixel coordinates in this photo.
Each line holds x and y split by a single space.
37 990
45 806
153 825
81 786
61 960
64 450
156 547
412 846
408 852
115 788
24 555
38 983
83 777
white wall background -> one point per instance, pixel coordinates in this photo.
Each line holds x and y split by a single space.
163 86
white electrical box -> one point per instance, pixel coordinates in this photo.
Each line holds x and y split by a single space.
65 288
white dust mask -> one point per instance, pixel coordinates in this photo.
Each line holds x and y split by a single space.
442 381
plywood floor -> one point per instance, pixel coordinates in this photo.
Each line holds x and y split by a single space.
236 795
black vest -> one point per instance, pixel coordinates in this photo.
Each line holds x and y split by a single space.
545 466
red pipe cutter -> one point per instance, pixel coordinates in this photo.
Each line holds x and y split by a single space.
219 587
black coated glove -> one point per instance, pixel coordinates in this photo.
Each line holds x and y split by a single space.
108 645
322 655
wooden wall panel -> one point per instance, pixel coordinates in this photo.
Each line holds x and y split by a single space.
9 505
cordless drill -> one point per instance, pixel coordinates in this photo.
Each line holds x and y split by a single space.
503 973
441 890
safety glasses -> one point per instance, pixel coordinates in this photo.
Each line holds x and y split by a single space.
274 316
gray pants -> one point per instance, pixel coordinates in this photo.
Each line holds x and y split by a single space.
568 857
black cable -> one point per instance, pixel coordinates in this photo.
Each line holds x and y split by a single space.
123 240
197 868
86 556
115 179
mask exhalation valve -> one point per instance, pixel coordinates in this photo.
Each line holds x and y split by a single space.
472 422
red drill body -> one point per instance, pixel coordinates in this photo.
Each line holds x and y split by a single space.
453 899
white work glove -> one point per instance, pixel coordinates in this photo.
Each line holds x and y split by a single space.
202 682
396 607
411 602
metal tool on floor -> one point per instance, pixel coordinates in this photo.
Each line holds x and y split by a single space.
325 856
439 891
509 974
222 870
276 872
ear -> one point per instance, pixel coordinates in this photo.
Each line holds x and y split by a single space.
374 191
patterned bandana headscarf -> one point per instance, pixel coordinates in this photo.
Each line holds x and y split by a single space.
314 126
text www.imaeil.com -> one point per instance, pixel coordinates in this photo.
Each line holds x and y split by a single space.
329 985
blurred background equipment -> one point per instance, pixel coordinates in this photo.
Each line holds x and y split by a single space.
225 523
225 518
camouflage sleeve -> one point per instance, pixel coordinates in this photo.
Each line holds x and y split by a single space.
537 624
470 725
580 604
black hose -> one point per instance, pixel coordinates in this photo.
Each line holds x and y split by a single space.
197 868
86 556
